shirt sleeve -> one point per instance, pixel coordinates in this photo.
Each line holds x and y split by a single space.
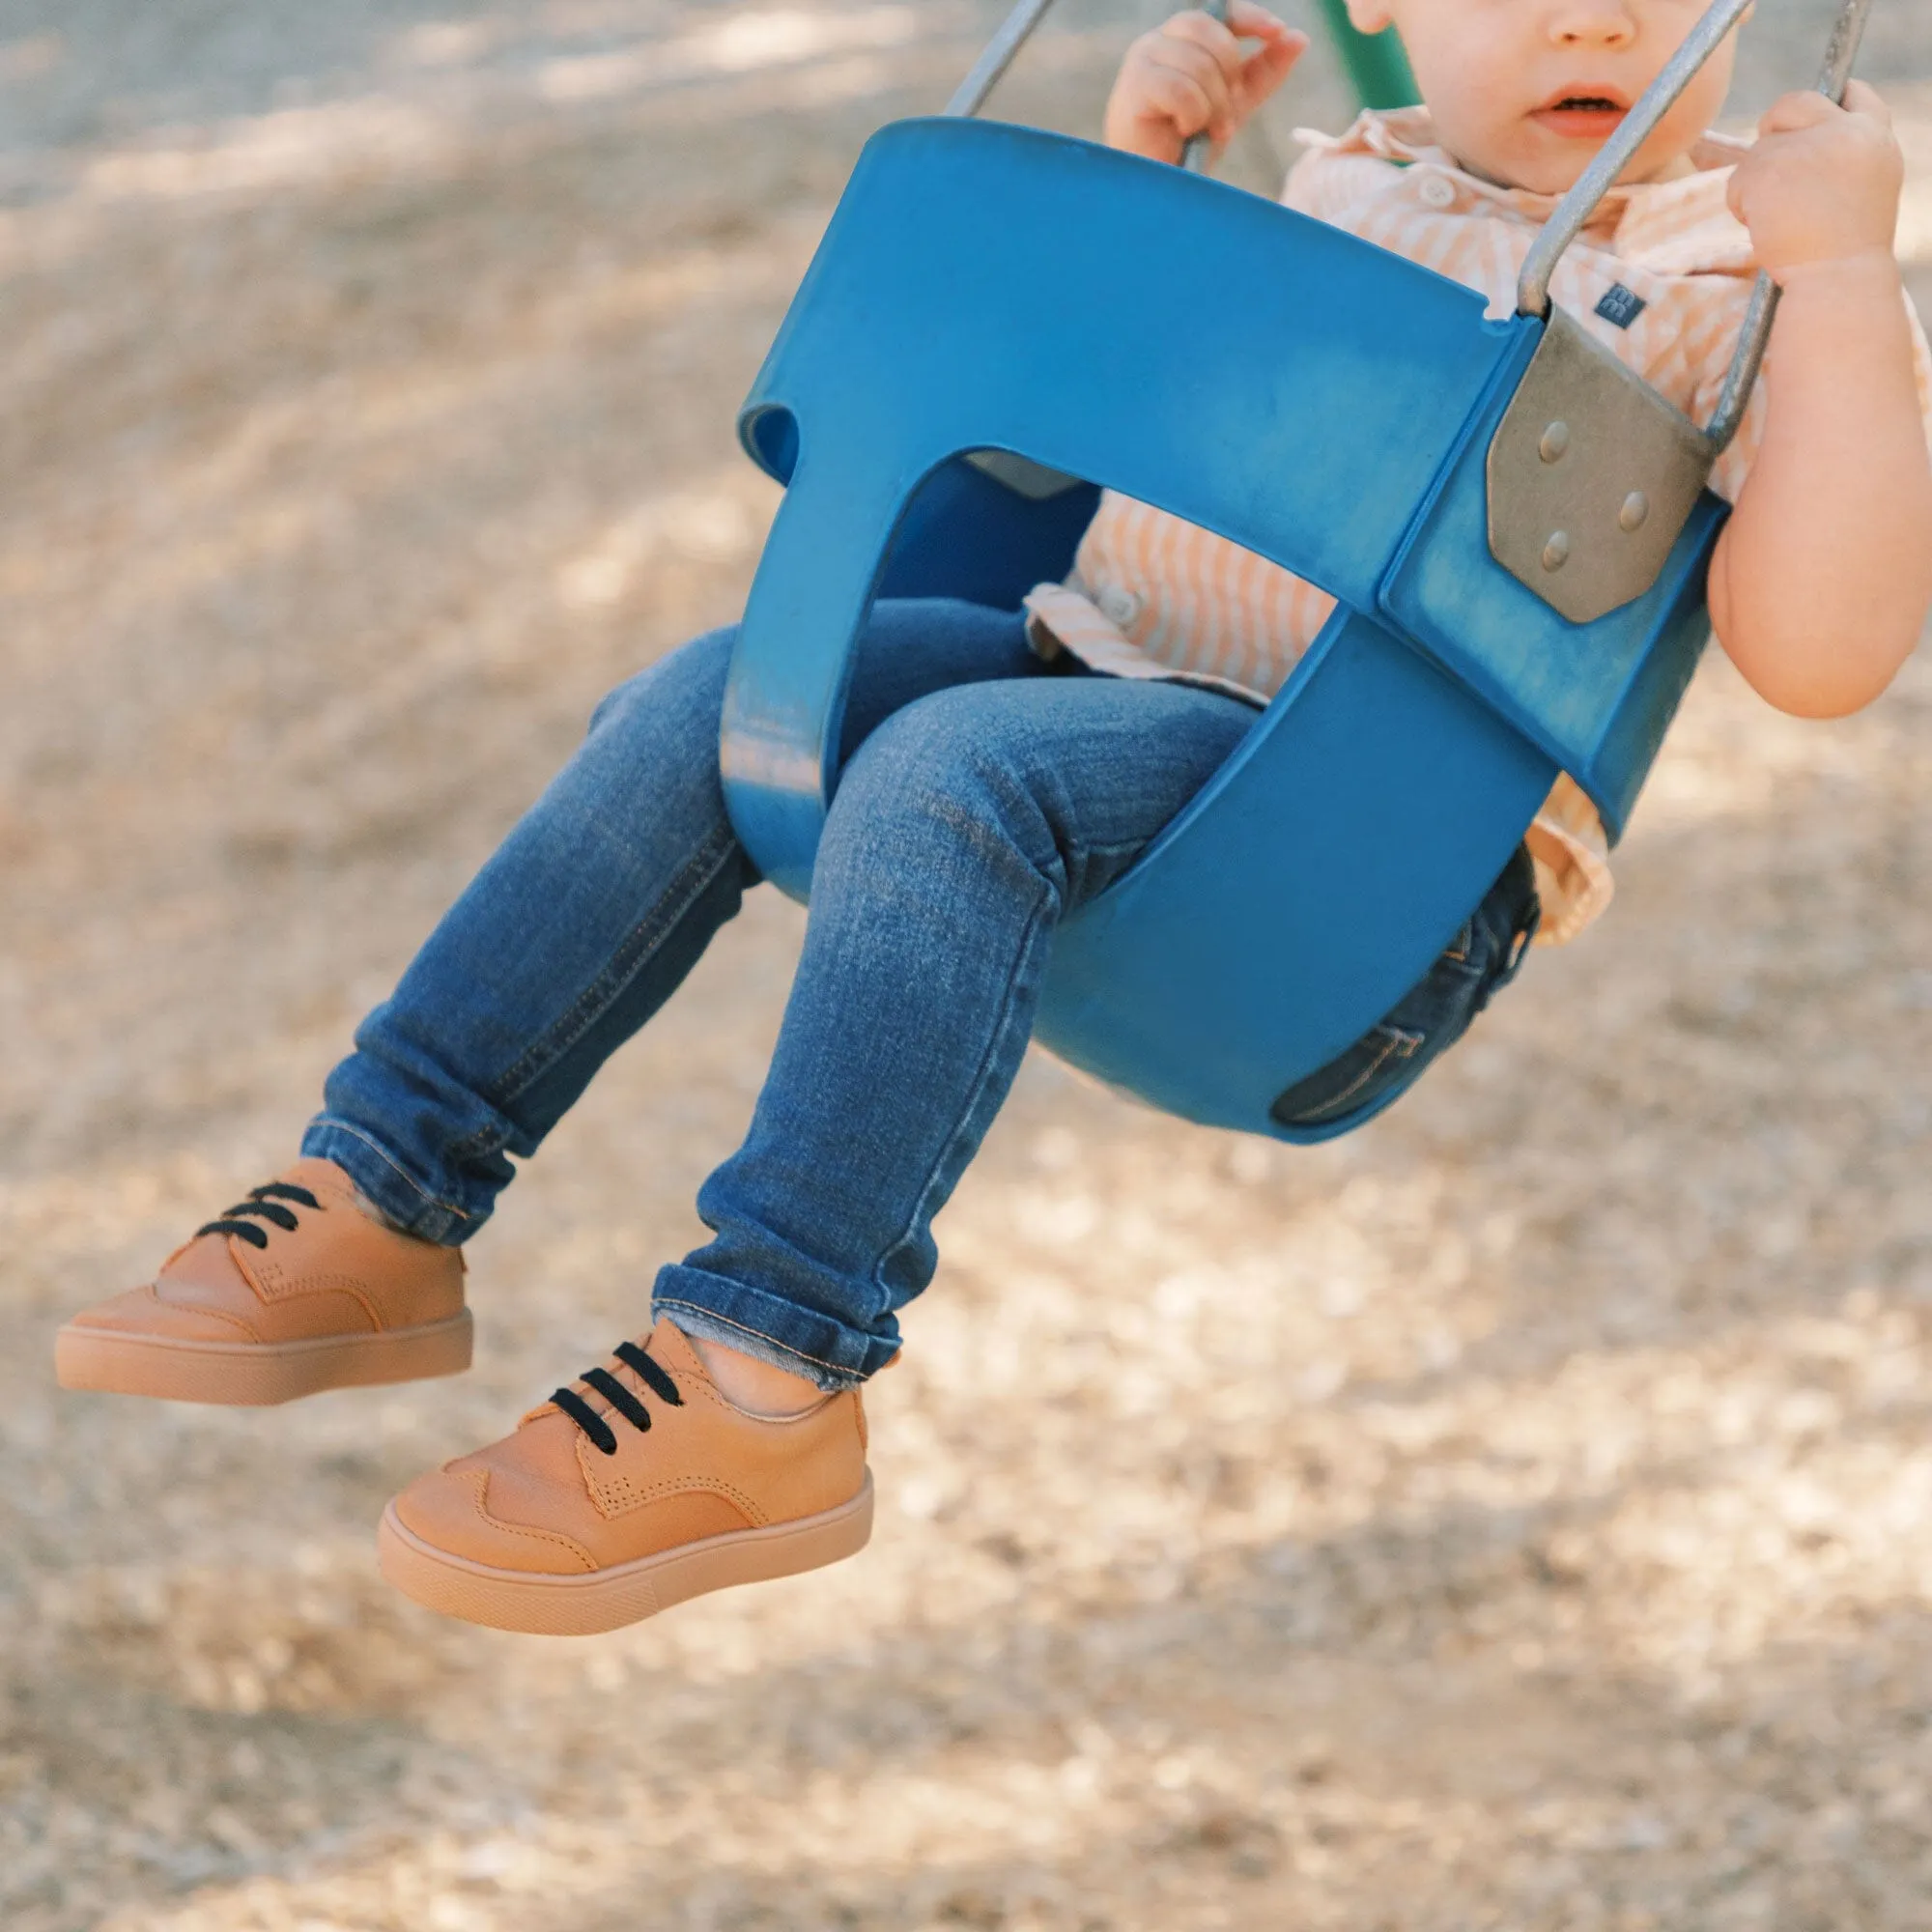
1571 856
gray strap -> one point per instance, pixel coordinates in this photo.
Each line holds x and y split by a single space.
970 96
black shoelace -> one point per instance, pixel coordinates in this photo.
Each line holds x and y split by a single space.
262 1202
621 1398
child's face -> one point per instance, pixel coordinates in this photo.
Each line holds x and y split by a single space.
1527 91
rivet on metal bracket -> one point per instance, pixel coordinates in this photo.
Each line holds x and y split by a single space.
1590 527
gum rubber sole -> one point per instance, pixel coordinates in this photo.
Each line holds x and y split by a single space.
606 1599
255 1374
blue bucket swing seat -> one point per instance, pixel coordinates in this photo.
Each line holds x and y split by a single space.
1515 526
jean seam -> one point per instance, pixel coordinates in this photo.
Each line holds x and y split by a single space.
1475 964
756 1334
590 1005
335 1123
984 1073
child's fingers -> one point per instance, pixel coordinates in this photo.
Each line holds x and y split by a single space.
1186 83
1269 65
1821 183
1194 76
1806 107
1860 98
1178 98
1790 112
1203 31
1251 76
1249 21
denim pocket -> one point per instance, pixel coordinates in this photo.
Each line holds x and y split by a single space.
1355 1078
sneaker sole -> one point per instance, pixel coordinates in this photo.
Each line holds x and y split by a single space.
254 1374
606 1599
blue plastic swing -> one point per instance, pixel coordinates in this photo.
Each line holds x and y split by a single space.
1459 484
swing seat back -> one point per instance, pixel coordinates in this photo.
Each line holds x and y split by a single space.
1330 406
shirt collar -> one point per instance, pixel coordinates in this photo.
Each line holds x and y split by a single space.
1628 211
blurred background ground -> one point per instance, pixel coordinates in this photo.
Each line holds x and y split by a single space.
1516 1515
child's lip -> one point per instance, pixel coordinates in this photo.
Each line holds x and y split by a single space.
1580 124
1585 90
1594 123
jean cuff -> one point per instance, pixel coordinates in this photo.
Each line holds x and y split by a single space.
401 1200
775 1330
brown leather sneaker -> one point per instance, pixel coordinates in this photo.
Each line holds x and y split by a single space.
608 1506
292 1291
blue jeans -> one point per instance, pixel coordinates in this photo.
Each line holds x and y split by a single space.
984 796
1431 1018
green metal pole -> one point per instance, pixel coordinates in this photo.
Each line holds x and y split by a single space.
1378 68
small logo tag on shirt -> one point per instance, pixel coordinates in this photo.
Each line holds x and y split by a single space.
1621 306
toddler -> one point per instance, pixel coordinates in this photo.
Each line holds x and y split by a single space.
1000 770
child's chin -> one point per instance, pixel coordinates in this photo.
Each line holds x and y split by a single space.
1546 163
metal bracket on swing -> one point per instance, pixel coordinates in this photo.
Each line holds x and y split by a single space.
1592 474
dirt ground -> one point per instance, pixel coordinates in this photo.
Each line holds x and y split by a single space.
1519 1515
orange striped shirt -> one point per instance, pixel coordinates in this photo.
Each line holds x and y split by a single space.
1151 596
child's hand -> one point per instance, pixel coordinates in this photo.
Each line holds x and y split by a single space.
1822 185
1190 77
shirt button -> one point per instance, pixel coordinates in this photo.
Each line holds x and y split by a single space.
1120 608
1437 192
